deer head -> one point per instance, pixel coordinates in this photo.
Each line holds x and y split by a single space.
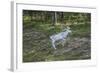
68 29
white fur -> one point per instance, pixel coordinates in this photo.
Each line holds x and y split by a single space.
60 36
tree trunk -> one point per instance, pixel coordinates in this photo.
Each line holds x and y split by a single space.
62 17
54 18
30 13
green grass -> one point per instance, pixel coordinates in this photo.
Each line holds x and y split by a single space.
83 30
80 30
41 45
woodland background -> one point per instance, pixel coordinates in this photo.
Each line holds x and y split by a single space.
38 26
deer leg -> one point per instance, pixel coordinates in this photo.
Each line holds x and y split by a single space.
63 41
53 44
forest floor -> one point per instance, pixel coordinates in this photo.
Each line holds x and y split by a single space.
37 47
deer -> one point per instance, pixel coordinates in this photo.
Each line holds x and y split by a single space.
60 36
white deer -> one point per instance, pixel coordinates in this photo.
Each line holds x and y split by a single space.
60 36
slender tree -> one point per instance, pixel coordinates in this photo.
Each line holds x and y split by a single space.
54 18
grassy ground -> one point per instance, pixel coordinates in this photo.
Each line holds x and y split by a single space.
37 44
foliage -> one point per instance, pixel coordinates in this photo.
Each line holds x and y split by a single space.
38 26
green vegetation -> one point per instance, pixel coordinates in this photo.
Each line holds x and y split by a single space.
38 26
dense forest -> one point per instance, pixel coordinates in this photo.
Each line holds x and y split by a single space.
38 26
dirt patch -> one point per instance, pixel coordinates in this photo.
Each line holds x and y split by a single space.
37 47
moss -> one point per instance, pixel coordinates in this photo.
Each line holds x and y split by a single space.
36 39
